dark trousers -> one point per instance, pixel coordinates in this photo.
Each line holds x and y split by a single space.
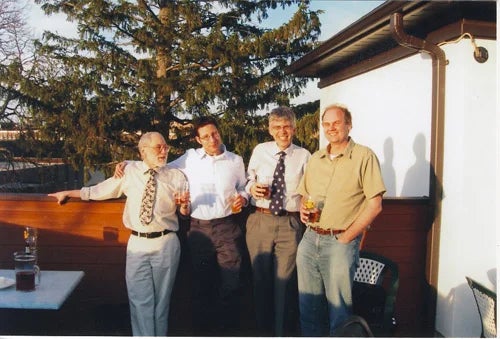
215 250
272 244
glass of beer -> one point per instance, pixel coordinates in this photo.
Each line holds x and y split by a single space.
314 206
264 183
181 193
234 207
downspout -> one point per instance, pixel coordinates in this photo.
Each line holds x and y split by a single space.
436 158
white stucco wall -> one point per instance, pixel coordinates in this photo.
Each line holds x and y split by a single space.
391 113
468 223
391 109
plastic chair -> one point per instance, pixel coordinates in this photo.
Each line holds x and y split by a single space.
486 301
375 287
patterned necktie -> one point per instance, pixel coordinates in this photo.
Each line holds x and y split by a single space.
148 198
278 186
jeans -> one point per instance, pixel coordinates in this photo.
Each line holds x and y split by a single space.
325 269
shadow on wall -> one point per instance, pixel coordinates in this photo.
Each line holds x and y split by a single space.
388 171
492 275
420 177
413 184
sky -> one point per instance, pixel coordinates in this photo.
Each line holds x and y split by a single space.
337 16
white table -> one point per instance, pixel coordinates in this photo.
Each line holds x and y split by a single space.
53 290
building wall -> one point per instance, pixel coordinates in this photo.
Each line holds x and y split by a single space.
391 109
391 112
468 223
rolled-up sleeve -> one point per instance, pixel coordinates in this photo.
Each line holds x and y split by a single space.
108 189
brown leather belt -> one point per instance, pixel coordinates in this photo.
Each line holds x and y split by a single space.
268 211
324 231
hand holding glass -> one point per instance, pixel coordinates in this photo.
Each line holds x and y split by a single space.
314 208
181 194
263 187
236 204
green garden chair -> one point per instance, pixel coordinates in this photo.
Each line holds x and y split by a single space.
375 287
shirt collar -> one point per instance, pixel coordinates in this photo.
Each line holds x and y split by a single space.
346 152
275 150
145 168
202 154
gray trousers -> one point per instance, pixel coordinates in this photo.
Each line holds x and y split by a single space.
272 245
150 274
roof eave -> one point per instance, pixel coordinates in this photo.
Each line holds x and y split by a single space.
368 39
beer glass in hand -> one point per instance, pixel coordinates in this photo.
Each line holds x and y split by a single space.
181 194
235 201
264 187
314 208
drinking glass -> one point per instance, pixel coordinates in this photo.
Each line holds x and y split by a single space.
314 206
264 182
181 193
234 196
26 270
30 240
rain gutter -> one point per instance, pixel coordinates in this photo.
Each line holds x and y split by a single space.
437 145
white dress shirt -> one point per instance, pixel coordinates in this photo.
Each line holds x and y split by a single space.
212 181
263 162
132 185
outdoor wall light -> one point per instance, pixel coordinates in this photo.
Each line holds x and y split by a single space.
480 53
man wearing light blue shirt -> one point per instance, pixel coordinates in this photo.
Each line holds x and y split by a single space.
272 236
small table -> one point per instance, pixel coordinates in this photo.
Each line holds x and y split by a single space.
53 290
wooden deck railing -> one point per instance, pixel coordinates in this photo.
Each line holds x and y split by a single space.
89 236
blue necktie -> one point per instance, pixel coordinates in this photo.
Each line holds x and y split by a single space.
278 186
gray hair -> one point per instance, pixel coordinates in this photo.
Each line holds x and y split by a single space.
145 140
283 112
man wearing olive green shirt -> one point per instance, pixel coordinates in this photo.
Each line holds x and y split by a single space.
346 181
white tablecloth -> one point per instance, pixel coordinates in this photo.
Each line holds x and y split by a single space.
53 290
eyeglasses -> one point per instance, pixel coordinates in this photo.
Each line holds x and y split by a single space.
160 147
214 135
276 128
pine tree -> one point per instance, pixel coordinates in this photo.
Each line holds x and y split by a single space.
152 65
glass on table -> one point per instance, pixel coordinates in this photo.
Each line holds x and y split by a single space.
30 236
26 270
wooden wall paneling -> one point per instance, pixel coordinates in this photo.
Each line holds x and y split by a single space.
89 236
